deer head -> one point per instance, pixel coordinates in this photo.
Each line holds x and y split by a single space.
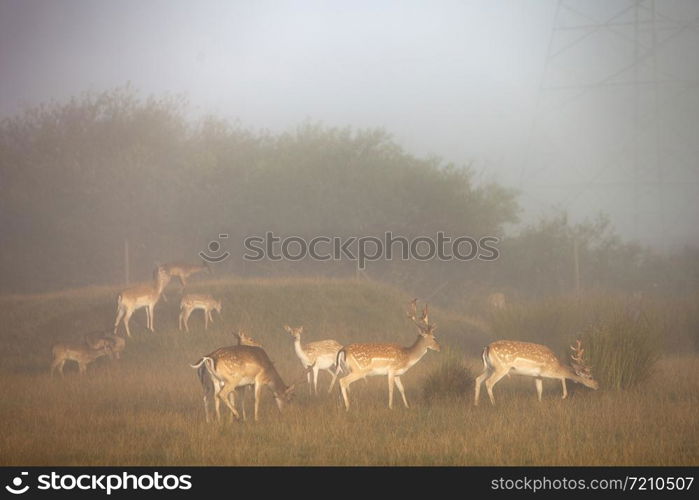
245 339
580 367
423 323
294 332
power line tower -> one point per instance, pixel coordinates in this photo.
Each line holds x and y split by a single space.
616 120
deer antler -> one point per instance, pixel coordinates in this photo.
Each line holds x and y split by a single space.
412 312
578 363
422 322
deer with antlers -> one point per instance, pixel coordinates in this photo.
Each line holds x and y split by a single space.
138 297
228 368
393 360
534 360
315 356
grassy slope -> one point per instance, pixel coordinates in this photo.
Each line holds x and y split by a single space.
146 409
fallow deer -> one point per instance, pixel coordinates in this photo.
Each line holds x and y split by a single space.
237 366
533 360
183 271
81 353
97 340
137 297
393 360
315 356
191 302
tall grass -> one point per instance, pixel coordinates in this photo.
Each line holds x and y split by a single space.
451 378
622 350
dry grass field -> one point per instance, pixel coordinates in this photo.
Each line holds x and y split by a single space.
146 409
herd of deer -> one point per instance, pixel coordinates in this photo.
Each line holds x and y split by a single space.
246 366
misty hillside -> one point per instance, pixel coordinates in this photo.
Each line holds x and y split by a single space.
345 310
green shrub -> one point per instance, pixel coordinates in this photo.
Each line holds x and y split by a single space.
451 378
622 351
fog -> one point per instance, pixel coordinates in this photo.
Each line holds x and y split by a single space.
582 107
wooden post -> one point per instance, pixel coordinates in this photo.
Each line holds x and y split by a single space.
576 266
126 261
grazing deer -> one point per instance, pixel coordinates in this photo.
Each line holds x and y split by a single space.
497 301
183 271
315 356
393 360
97 340
245 339
83 354
231 367
191 302
132 299
534 360
210 385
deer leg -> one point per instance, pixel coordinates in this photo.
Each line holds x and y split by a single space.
315 378
244 392
181 318
565 389
492 380
334 374
119 317
399 384
539 387
211 316
344 386
479 381
227 395
236 392
310 381
390 390
82 368
127 319
258 390
151 316
206 408
206 319
217 408
57 363
187 313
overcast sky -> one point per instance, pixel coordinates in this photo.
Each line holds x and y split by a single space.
499 84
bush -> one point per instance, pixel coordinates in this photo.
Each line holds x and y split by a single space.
451 378
622 351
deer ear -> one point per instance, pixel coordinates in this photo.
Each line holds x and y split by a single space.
300 329
287 328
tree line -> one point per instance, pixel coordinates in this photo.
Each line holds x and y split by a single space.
80 179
